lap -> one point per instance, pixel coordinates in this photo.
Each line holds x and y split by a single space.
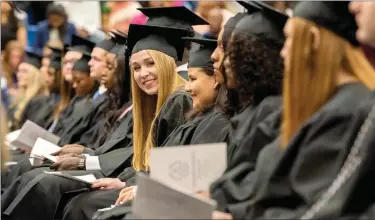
84 206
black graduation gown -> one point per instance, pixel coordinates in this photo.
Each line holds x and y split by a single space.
311 160
211 127
76 108
86 122
167 124
113 156
351 194
263 126
40 109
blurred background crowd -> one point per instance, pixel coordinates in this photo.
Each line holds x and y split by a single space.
34 25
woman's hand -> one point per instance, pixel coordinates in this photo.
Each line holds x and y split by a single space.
221 216
70 148
126 194
108 183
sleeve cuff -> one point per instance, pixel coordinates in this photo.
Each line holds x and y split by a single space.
92 163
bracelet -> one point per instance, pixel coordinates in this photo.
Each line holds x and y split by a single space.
82 164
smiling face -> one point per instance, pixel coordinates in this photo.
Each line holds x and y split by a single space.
364 16
202 88
217 57
144 72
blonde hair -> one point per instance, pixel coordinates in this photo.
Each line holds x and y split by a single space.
310 77
36 86
146 107
7 70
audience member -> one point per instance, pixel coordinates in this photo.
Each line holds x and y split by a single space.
11 58
55 28
87 24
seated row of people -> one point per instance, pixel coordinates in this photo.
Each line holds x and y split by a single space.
291 122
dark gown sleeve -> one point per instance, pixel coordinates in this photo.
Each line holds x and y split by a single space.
90 137
351 194
92 116
232 186
235 184
310 163
214 128
171 115
39 110
117 153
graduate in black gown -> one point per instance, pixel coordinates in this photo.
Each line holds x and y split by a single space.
204 125
40 109
87 131
320 119
258 77
149 47
78 104
32 84
350 195
95 113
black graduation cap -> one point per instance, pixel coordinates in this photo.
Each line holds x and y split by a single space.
262 20
116 49
202 56
119 37
177 17
81 44
56 51
55 61
230 25
82 64
33 59
162 39
106 44
334 16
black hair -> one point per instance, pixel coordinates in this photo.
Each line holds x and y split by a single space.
118 97
258 69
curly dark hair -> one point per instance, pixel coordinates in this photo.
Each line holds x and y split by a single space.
258 69
118 99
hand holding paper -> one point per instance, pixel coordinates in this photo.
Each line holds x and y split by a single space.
43 148
26 137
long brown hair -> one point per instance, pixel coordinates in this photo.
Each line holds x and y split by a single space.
310 77
146 107
7 70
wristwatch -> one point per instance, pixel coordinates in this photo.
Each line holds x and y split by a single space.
82 164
